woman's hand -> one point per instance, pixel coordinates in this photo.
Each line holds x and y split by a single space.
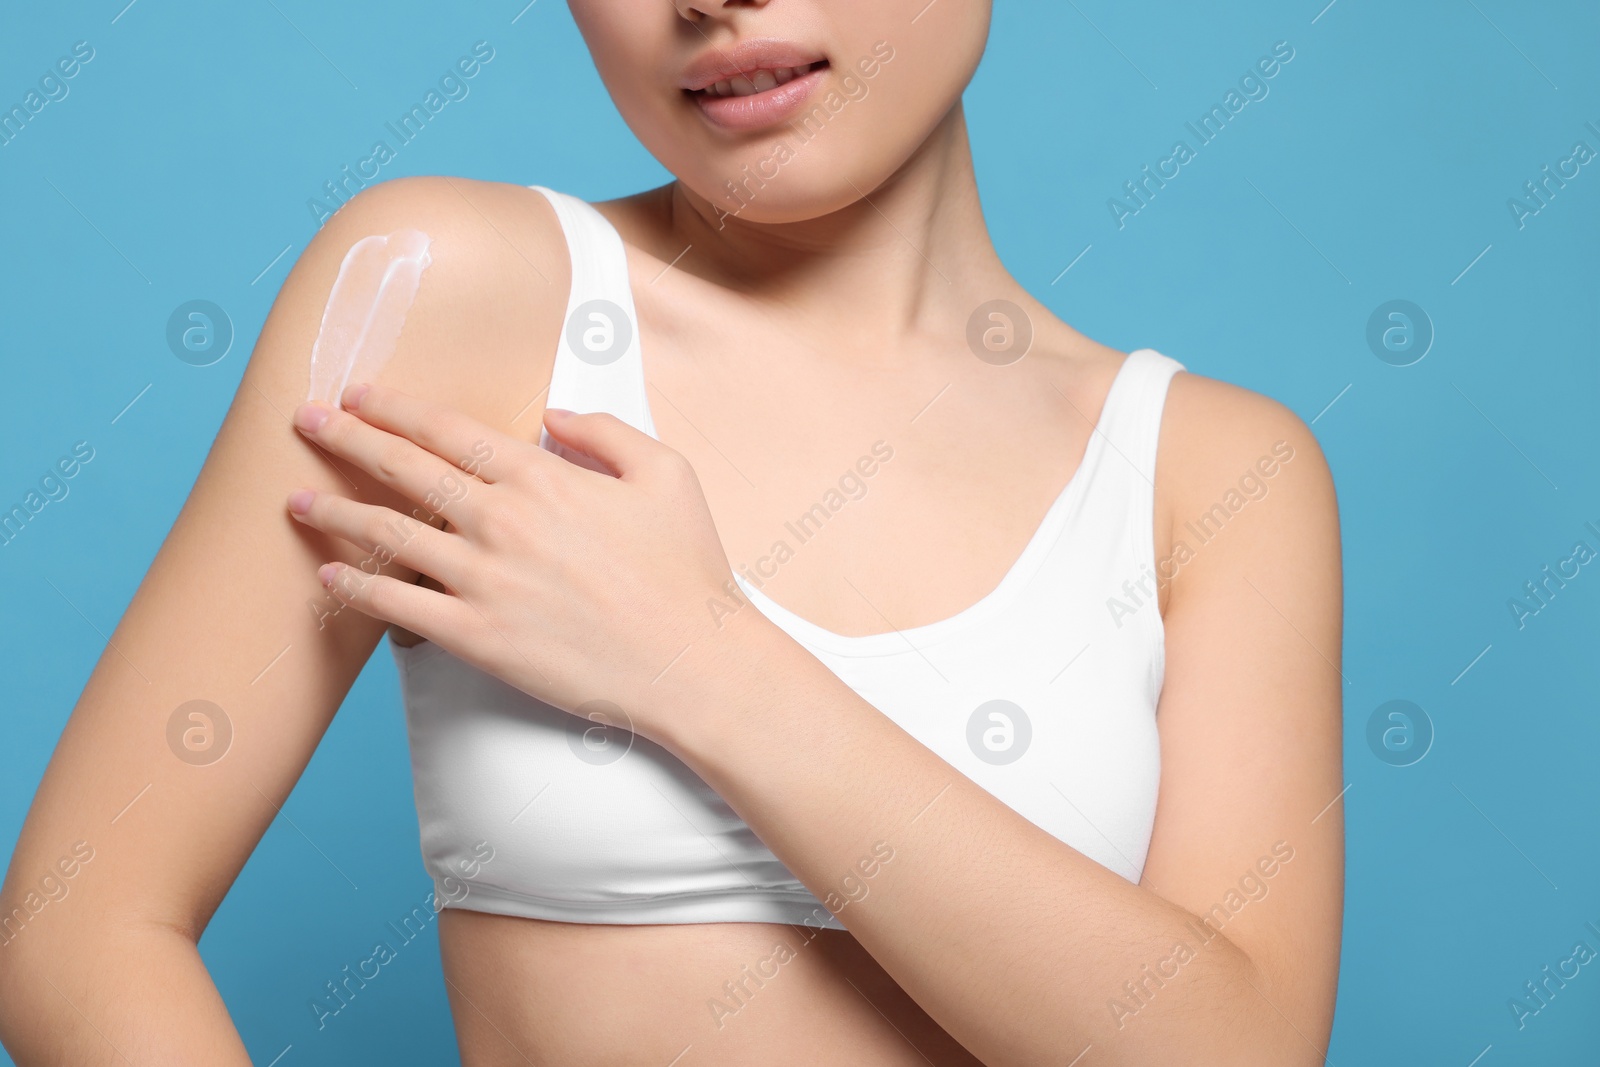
571 584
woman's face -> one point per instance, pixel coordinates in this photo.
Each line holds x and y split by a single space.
782 110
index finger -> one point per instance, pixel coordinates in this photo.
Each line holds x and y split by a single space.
453 436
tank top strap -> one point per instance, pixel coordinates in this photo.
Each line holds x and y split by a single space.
598 365
1131 420
1120 494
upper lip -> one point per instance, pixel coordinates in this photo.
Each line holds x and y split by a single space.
746 57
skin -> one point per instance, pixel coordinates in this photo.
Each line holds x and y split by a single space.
812 317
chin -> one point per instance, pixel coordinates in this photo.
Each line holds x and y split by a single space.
779 182
790 202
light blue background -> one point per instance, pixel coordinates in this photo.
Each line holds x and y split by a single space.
1378 168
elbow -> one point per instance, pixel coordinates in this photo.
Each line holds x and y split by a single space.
16 962
26 952
1280 1018
20 972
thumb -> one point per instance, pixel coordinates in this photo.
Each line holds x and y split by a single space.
602 437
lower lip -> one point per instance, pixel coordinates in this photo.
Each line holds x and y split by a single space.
760 109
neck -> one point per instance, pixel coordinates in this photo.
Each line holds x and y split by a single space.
910 257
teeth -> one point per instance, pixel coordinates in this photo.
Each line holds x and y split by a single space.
756 82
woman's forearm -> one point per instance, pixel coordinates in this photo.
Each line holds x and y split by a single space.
1010 939
113 995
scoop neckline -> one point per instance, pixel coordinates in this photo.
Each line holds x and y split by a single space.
1016 577
913 639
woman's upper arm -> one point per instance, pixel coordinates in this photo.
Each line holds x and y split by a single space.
1247 834
231 612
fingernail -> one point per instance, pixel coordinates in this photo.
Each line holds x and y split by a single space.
300 501
310 416
327 573
557 411
353 395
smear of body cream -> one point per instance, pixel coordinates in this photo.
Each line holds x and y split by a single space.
376 286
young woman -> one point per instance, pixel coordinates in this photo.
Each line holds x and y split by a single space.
875 670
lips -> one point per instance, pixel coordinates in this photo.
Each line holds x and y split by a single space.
753 84
748 83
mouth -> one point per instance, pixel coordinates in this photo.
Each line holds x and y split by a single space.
759 81
753 85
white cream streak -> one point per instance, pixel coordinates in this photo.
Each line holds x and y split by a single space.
366 311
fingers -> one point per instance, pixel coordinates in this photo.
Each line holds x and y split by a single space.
629 452
386 534
409 469
431 615
454 437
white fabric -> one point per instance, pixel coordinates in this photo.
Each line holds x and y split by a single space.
641 839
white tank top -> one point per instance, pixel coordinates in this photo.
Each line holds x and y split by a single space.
1043 692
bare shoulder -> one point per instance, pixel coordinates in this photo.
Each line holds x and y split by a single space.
1224 448
482 333
492 234
488 313
1208 421
500 220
